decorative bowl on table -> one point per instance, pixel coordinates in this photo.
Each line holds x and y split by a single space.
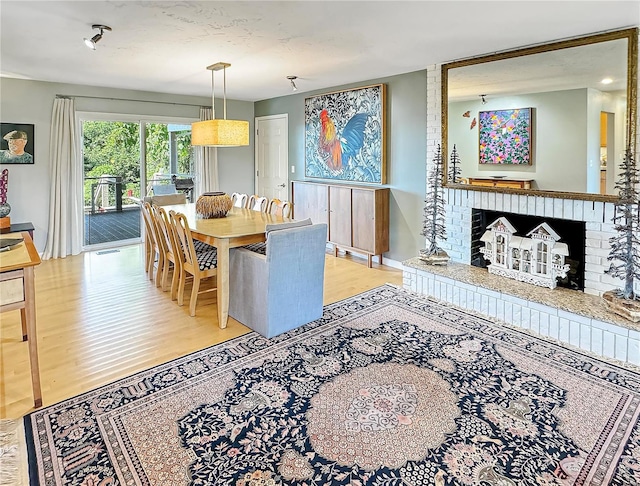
213 205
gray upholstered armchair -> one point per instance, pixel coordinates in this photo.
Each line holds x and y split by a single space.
283 289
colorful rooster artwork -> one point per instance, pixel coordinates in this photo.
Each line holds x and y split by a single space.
344 135
336 148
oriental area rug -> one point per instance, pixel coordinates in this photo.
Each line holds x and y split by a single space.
386 389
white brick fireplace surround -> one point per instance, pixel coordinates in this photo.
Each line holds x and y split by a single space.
596 215
572 317
569 316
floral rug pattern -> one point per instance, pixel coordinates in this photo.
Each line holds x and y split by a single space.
387 388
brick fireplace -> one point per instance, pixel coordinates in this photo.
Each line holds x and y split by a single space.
576 318
595 215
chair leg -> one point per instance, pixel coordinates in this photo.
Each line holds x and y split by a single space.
174 282
194 296
147 255
181 285
150 262
161 264
165 275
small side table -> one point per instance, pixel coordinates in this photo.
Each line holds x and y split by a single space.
18 228
18 292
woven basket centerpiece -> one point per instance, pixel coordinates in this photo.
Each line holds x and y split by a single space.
213 205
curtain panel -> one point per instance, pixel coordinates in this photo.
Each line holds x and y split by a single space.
64 235
206 162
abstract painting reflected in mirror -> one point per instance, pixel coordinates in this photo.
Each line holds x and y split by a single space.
505 136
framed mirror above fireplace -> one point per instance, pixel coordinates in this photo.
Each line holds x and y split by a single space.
568 107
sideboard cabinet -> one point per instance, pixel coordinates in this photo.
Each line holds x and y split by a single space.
357 216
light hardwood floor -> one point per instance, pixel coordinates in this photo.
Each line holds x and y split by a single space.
99 319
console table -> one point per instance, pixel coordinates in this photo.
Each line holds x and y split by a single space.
18 228
493 182
17 292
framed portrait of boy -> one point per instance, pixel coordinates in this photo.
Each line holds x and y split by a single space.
16 143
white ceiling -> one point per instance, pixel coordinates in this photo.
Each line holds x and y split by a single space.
165 46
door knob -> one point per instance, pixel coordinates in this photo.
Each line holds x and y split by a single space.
282 185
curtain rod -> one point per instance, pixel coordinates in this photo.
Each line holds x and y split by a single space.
127 99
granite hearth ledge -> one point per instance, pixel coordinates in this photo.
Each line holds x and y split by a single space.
575 302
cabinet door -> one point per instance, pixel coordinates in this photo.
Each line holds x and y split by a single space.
311 201
340 215
362 205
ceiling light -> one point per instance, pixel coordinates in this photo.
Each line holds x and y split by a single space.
221 132
484 100
293 84
607 81
91 43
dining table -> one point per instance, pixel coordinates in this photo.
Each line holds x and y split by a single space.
239 227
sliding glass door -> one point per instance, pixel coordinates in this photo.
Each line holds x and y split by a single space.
123 158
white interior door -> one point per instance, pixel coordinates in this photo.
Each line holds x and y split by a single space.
272 156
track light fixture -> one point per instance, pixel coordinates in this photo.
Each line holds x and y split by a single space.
292 79
91 43
484 100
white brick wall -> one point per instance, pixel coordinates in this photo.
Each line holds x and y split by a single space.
603 338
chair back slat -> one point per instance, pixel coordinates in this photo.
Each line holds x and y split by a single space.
146 217
280 208
185 239
239 200
258 203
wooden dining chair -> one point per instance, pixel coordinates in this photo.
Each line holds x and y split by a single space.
280 208
157 246
149 241
239 200
258 203
199 264
161 244
171 251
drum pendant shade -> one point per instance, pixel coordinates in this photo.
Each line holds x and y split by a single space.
220 132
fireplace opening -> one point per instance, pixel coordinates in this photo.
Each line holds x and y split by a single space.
571 232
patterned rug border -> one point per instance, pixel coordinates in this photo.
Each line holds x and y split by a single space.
312 329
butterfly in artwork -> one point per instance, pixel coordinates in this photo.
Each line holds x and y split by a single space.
473 124
467 114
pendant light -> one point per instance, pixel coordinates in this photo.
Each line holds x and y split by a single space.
220 132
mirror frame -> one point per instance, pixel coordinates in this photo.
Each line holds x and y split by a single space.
631 116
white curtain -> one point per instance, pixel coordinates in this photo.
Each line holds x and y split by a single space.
206 161
65 200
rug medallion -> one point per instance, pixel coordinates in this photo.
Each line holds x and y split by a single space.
387 388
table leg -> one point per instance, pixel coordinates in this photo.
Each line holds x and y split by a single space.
30 317
23 319
223 282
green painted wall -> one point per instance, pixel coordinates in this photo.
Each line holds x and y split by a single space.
406 151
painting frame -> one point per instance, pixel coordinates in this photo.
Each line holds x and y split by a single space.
345 135
505 137
20 130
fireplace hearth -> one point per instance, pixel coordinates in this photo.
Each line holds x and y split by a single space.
571 233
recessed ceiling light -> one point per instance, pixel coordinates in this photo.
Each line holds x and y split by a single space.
607 81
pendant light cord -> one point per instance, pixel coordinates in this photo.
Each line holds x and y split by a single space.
224 91
213 96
